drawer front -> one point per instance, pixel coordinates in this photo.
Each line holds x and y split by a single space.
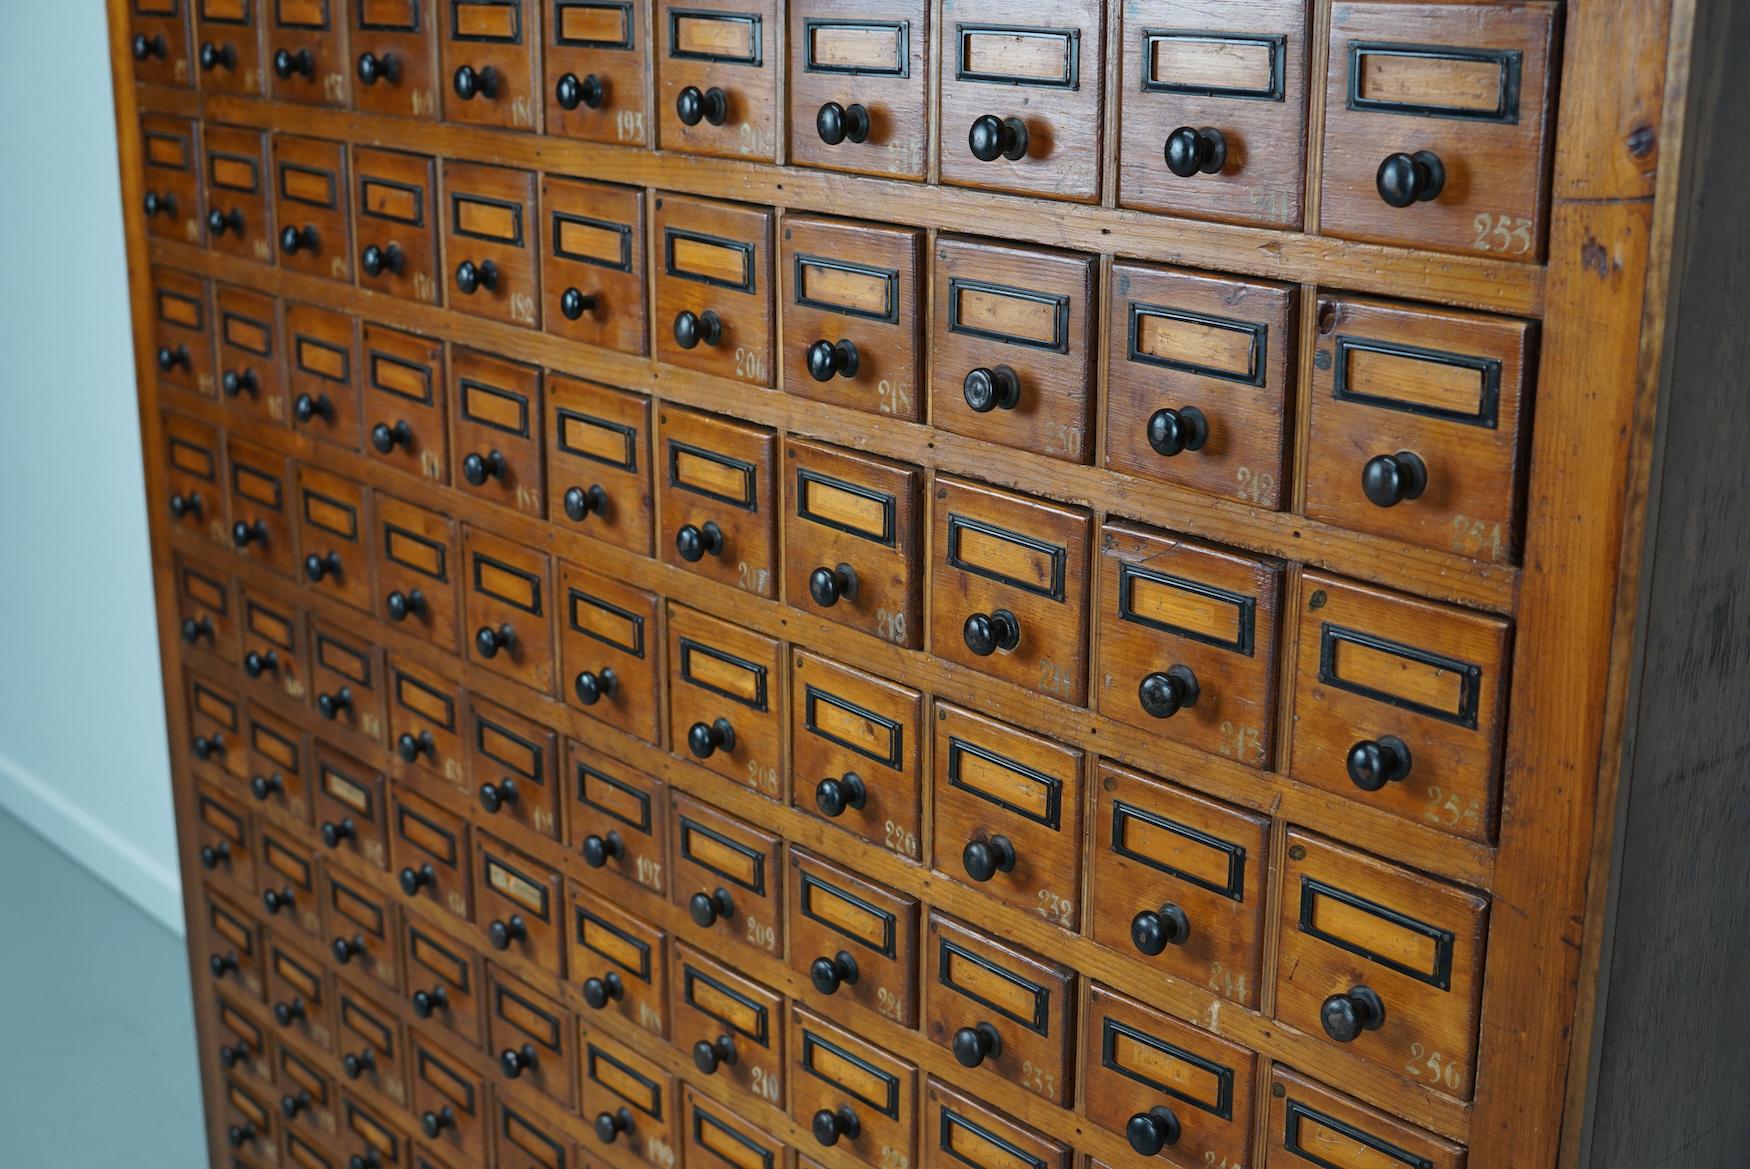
618 819
1009 580
854 750
630 1101
239 213
227 37
307 52
395 206
859 86
598 70
370 1041
598 460
182 313
1000 1008
489 62
527 1136
274 645
490 232
443 981
508 608
351 813
513 766
592 262
404 402
308 1097
519 910
310 188
717 492
1400 702
1312 1127
233 943
961 1131
729 878
1184 1083
718 1012
851 326
363 929
619 961
334 532
208 609
853 940
713 273
1382 960
1024 88
289 893
249 1118
278 773
1009 814
725 699
497 430
851 540
448 1097
430 854
718 74
1178 882
215 721
322 373
225 841
717 1137
170 148
1012 349
1188 641
1415 428
416 571
1437 129
611 651
365 1134
347 678
194 482
1214 122
868 1096
244 1045
1199 381
395 60
159 41
533 1039
297 990
249 359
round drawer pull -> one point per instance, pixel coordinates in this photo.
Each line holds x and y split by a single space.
207 746
829 1124
287 64
827 360
691 328
583 502
185 506
973 1045
219 222
233 1054
377 260
1163 695
706 739
239 1135
1373 763
413 746
372 69
401 604
599 992
515 1060
222 964
707 909
256 663
1388 480
1171 432
157 205
571 93
433 1123
986 633
356 1064
330 706
984 859
828 585
1153 930
609 1125
150 46
386 436
573 303
1190 150
413 880
285 1013
693 107
214 855
488 641
1346 1016
694 542
495 797
470 83
264 786
310 407
711 1054
1404 179
346 949
291 1105
472 277
169 359
239 381
217 56
319 567
992 138
835 123
334 832
193 631
991 389
828 974
598 850
294 239
478 468
502 933
274 900
426 1001
592 686
1153 1131
833 796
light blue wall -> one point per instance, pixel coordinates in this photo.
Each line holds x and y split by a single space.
82 741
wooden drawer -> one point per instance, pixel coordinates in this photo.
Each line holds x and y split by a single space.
714 287
533 1038
347 678
618 819
619 961
308 1097
248 1117
244 1045
1415 431
334 534
716 486
852 325
513 766
297 990
717 1137
518 910
1400 702
598 70
1199 381
233 942
611 652
630 1102
371 1042
227 36
1188 641
395 60
159 41
1000 1008
489 58
496 420
430 854
352 813
959 1130
208 607
304 1150
448 1097
490 236
194 491
859 86
1023 87
852 939
278 772
855 741
215 721
1012 330
307 52
1214 117
728 877
1009 580
718 76
364 933
288 878
850 1093
364 1133
725 699
416 571
592 264
395 207
239 215
733 1026
1437 126
1008 813
182 312
528 1134
1386 961
170 152
507 592
851 538
310 203
1178 879
598 462
1312 1127
1169 1088
248 369
404 402
443 980
322 373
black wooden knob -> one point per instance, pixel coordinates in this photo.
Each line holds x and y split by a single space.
207 746
472 277
973 1045
494 797
320 566
986 633
1388 480
309 407
706 739
691 328
513 1061
294 1103
609 1125
372 69
294 239
170 358
1373 763
984 859
240 381
214 855
219 222
414 879
1171 432
470 82
991 389
478 468
582 502
232 1054
262 787
1163 695
694 542
186 506
356 1064
1346 1016
413 746
829 1124
710 106
488 641
835 123
573 304
346 949
502 933
599 992
336 831
222 964
1189 151
827 360
1153 930
330 704
287 64
1404 179
369 1159
992 138
706 909
400 604
193 630
828 585
386 436
377 260
598 850
434 1123
591 686
157 204
711 1054
218 56
1152 1131
239 1135
150 46
426 1001
833 796
274 900
828 974
285 1013
572 92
